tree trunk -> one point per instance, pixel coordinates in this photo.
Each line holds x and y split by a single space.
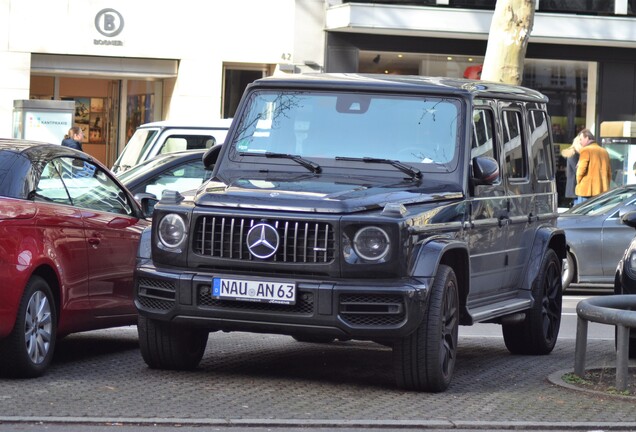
507 41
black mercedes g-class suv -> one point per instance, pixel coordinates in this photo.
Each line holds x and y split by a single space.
381 208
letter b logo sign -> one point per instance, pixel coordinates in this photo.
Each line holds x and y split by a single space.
109 22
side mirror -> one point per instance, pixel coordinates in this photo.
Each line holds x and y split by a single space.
629 219
485 170
627 209
147 202
210 156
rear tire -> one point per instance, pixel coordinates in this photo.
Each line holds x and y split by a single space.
538 333
28 350
425 360
169 346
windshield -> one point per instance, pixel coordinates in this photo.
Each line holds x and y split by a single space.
135 148
318 125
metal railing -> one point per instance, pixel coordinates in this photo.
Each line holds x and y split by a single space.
617 310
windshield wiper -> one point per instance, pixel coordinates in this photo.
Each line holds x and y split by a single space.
310 165
412 171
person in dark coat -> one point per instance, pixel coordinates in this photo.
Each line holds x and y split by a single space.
73 138
571 155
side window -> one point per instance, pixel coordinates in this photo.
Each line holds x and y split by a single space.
51 188
483 135
540 145
182 178
90 187
514 149
176 143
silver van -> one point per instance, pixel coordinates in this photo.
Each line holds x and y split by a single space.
152 139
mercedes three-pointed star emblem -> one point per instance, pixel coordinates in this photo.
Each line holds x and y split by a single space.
262 240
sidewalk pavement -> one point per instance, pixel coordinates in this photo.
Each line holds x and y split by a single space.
268 380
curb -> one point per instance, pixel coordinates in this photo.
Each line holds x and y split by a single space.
334 424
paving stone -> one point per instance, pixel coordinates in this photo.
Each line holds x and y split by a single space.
249 376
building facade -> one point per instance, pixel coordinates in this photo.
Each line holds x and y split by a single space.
581 53
130 62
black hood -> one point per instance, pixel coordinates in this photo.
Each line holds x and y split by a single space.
323 194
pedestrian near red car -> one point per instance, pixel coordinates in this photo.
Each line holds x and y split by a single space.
69 233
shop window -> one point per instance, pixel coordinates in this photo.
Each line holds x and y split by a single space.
622 161
473 4
581 7
42 87
465 4
565 83
235 80
140 105
139 112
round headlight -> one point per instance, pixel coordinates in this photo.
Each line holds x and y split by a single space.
171 230
371 243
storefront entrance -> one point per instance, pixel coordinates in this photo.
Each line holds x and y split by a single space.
111 98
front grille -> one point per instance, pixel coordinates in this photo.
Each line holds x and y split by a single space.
304 303
300 241
156 293
368 310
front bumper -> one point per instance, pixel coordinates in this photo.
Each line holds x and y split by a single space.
345 309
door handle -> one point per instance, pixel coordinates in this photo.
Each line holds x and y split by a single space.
93 241
503 219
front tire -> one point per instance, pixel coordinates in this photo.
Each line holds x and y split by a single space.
425 360
568 271
169 346
538 333
28 350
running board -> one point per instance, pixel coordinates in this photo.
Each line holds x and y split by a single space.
500 309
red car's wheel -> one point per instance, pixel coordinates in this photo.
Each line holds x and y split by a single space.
28 350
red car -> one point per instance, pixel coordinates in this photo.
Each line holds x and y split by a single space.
69 233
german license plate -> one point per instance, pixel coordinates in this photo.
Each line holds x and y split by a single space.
254 290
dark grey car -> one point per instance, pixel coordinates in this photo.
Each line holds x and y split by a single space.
596 238
382 208
180 171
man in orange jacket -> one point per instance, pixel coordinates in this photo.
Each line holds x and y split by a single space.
593 173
